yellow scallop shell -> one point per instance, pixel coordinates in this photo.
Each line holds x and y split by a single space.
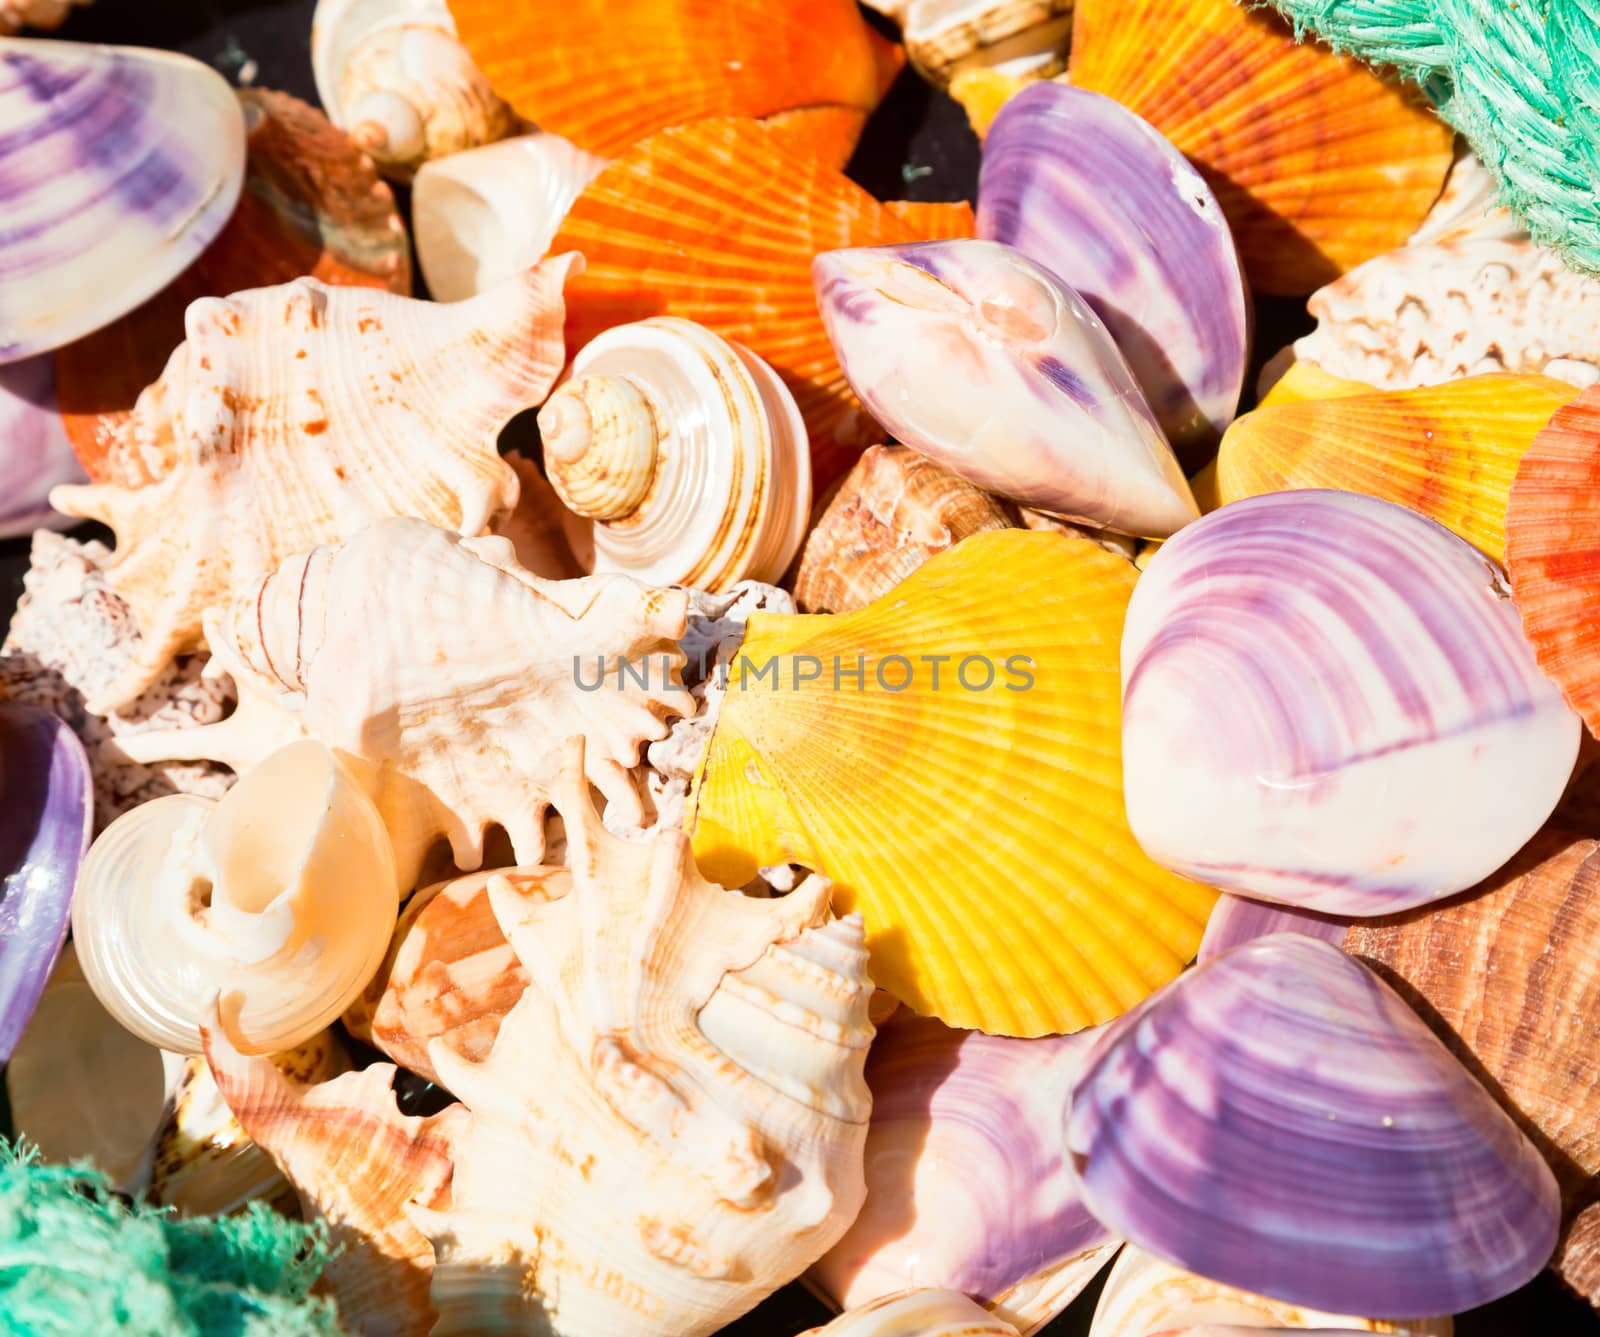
980 830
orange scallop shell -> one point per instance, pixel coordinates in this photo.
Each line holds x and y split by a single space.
313 204
718 223
1553 551
606 73
1317 162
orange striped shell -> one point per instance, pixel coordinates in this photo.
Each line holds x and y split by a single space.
606 73
1317 162
717 223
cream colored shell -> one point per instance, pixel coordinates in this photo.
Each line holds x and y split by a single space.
295 415
1019 37
272 906
1145 1295
394 75
15 14
686 450
456 700
917 1314
490 212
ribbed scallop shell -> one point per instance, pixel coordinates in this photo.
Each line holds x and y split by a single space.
985 361
967 1185
1553 551
717 223
1281 1121
606 73
687 451
35 452
294 416
1322 694
1509 979
312 205
917 1314
273 905
485 214
1317 162
1079 184
979 830
122 164
457 700
945 37
16 14
395 75
1145 1296
894 510
1448 451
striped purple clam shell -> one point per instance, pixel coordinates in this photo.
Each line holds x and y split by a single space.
1328 702
968 1186
990 365
46 814
1280 1121
1079 183
118 166
35 454
1236 920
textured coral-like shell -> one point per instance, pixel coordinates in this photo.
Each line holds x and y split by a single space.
605 73
718 222
312 205
686 450
1317 162
450 974
894 510
490 212
122 164
395 75
968 1185
295 415
16 14
1145 1296
1509 979
1448 451
978 824
923 1313
458 700
1553 551
945 37
276 903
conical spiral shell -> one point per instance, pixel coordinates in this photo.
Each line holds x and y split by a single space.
394 74
273 905
917 1314
687 449
298 414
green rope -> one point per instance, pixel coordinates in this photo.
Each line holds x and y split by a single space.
1519 78
76 1260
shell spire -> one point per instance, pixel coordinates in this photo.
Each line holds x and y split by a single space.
300 413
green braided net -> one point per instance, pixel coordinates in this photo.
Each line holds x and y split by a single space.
1519 78
76 1261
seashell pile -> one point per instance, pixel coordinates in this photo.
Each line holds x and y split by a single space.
1026 760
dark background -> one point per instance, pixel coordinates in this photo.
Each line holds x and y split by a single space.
918 146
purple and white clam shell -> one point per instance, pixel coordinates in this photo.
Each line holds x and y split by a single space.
1077 182
1327 701
1279 1120
35 453
968 1187
46 816
118 166
990 365
1236 920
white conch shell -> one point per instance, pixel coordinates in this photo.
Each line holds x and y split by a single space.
1019 37
489 212
294 416
458 694
280 897
1145 1295
917 1314
669 1126
15 14
1467 207
671 1123
688 452
394 74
